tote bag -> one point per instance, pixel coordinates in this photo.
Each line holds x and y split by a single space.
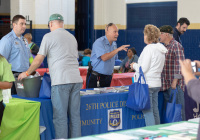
173 110
138 97
45 89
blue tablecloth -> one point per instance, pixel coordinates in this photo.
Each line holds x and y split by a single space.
100 113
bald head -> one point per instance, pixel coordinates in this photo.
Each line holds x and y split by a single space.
111 32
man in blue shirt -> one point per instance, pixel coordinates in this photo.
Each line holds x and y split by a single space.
104 54
180 28
14 47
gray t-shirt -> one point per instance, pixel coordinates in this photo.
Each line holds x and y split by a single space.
60 47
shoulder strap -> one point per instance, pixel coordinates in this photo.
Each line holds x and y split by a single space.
141 75
32 46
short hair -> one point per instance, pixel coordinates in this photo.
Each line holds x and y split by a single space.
110 24
17 17
28 36
183 20
87 51
133 50
152 32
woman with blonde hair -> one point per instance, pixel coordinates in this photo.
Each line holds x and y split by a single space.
152 61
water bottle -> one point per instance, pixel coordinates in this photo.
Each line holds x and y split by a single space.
5 96
132 79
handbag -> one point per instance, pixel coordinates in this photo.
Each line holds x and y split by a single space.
173 110
45 89
138 97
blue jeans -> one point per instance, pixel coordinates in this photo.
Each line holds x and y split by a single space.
179 100
66 101
152 115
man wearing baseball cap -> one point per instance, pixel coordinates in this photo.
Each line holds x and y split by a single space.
171 75
60 47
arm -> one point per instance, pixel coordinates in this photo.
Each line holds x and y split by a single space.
192 83
130 70
7 77
122 65
186 70
108 56
193 89
135 58
5 48
36 63
179 55
132 61
5 85
121 69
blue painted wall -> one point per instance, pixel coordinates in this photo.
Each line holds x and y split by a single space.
190 41
135 37
138 15
191 44
39 33
156 13
37 38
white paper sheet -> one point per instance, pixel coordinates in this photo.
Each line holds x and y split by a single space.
115 136
181 126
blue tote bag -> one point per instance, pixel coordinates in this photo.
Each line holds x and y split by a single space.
45 89
173 110
138 97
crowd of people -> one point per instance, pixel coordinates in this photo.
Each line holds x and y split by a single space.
162 61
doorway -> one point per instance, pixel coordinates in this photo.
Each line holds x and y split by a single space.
84 23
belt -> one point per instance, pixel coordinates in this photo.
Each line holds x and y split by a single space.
95 73
15 72
99 74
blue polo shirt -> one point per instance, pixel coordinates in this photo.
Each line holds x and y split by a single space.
99 48
16 51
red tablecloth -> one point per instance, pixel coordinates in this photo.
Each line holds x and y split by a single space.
118 79
41 71
122 79
83 71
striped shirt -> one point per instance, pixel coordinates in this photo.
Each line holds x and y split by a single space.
172 68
